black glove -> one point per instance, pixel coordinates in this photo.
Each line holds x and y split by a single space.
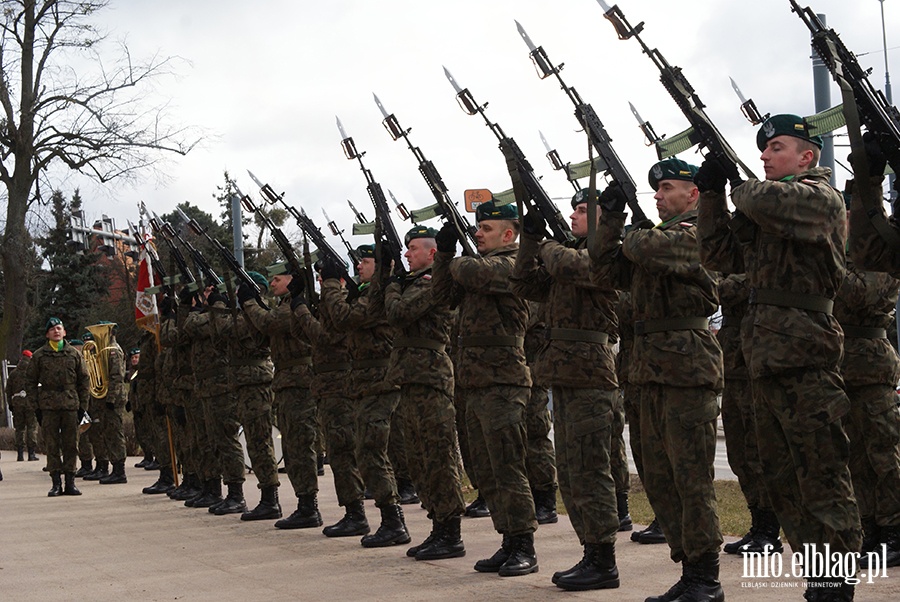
714 174
296 286
298 300
644 224
81 414
446 239
167 307
613 198
158 409
110 406
874 155
533 223
180 416
39 415
185 296
216 297
128 406
331 269
244 293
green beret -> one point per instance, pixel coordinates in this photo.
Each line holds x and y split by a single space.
785 125
419 232
76 342
582 197
134 351
52 322
87 336
366 251
671 169
277 269
490 210
259 279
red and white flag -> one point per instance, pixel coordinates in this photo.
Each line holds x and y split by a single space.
146 312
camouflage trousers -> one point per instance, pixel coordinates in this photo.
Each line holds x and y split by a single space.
739 422
144 431
582 420
631 405
112 430
155 422
60 428
540 458
203 455
397 445
85 449
373 428
26 427
174 422
95 433
618 456
678 443
255 413
430 429
298 422
222 426
495 420
805 454
339 420
873 427
462 435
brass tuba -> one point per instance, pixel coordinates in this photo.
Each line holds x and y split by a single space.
96 356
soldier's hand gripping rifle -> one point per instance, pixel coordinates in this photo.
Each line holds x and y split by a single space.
382 211
588 119
703 131
226 255
537 197
444 207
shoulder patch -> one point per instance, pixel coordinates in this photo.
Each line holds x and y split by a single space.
810 182
425 276
686 224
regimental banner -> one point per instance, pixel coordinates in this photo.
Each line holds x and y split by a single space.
146 312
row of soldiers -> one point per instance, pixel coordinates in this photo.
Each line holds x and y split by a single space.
805 365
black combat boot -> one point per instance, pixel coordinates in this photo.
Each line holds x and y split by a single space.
493 564
890 538
148 457
435 532
391 532
70 488
212 495
188 488
699 582
636 535
871 535
117 476
820 589
353 523
305 516
545 506
152 465
164 484
764 534
478 508
652 534
20 454
32 457
596 571
735 546
522 558
87 467
268 507
407 492
447 542
234 503
56 489
101 471
625 523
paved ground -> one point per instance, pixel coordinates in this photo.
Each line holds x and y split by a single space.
114 544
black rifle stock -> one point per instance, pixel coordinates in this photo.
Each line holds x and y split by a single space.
536 195
705 132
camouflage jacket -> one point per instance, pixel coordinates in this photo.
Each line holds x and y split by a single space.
174 338
789 238
536 335
167 369
422 322
559 276
143 385
291 351
867 299
661 267
63 377
116 393
625 315
249 358
868 249
492 320
330 352
371 338
15 386
209 356
733 296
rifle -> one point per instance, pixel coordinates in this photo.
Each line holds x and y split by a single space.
287 250
394 244
360 218
167 232
748 107
703 131
227 257
332 225
533 191
445 207
588 119
557 163
158 270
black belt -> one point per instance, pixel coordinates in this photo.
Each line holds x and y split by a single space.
331 367
816 303
304 360
490 341
374 363
418 343
666 324
576 335
863 332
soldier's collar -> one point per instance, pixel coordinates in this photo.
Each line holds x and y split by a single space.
57 345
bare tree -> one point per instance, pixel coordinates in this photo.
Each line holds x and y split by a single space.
92 120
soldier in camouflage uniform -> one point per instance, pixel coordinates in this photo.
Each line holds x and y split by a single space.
59 403
577 361
94 437
150 391
788 236
331 369
23 414
422 368
294 404
676 367
144 433
111 410
492 377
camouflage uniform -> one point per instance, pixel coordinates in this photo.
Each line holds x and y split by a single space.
23 413
789 239
493 379
141 394
112 407
868 249
370 342
64 390
540 457
676 371
576 360
625 316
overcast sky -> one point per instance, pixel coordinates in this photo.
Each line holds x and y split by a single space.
265 80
